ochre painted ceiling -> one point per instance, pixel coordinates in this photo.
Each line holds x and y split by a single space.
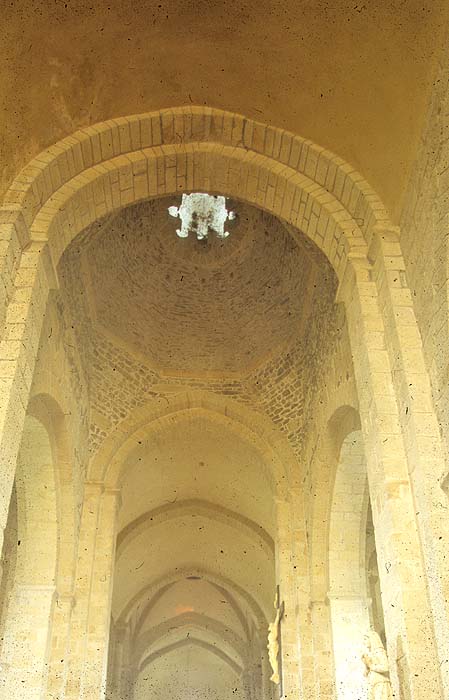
352 76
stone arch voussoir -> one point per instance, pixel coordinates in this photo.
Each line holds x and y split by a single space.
115 163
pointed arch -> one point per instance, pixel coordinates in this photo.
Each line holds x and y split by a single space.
252 427
185 642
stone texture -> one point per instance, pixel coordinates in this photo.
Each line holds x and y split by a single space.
183 425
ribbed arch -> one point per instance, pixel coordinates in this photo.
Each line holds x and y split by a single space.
217 633
179 509
147 592
185 642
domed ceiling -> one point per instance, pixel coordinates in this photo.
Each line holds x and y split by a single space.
184 306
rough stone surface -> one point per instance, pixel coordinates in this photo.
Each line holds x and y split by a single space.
186 425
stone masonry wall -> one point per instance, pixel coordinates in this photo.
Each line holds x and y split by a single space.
424 241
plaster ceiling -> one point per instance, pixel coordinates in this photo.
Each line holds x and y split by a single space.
194 458
195 543
354 77
193 595
189 671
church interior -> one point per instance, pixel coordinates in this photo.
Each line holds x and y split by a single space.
224 351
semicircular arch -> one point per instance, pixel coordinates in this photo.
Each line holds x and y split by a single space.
115 163
48 411
340 418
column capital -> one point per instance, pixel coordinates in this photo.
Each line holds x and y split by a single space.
38 588
93 488
121 631
319 601
358 268
384 228
50 268
65 598
336 596
114 493
386 246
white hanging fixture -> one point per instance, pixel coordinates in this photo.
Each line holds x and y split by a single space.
199 213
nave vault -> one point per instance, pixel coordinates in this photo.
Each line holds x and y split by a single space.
223 362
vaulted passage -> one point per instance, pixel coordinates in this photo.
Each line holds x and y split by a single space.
194 573
223 355
206 324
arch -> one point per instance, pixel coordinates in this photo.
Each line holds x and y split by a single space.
104 168
145 612
176 575
195 540
191 640
197 507
225 170
270 156
339 419
249 425
53 544
138 428
48 411
347 522
340 409
348 596
244 621
30 606
220 635
344 420
36 488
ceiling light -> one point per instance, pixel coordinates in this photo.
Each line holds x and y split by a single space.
201 213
